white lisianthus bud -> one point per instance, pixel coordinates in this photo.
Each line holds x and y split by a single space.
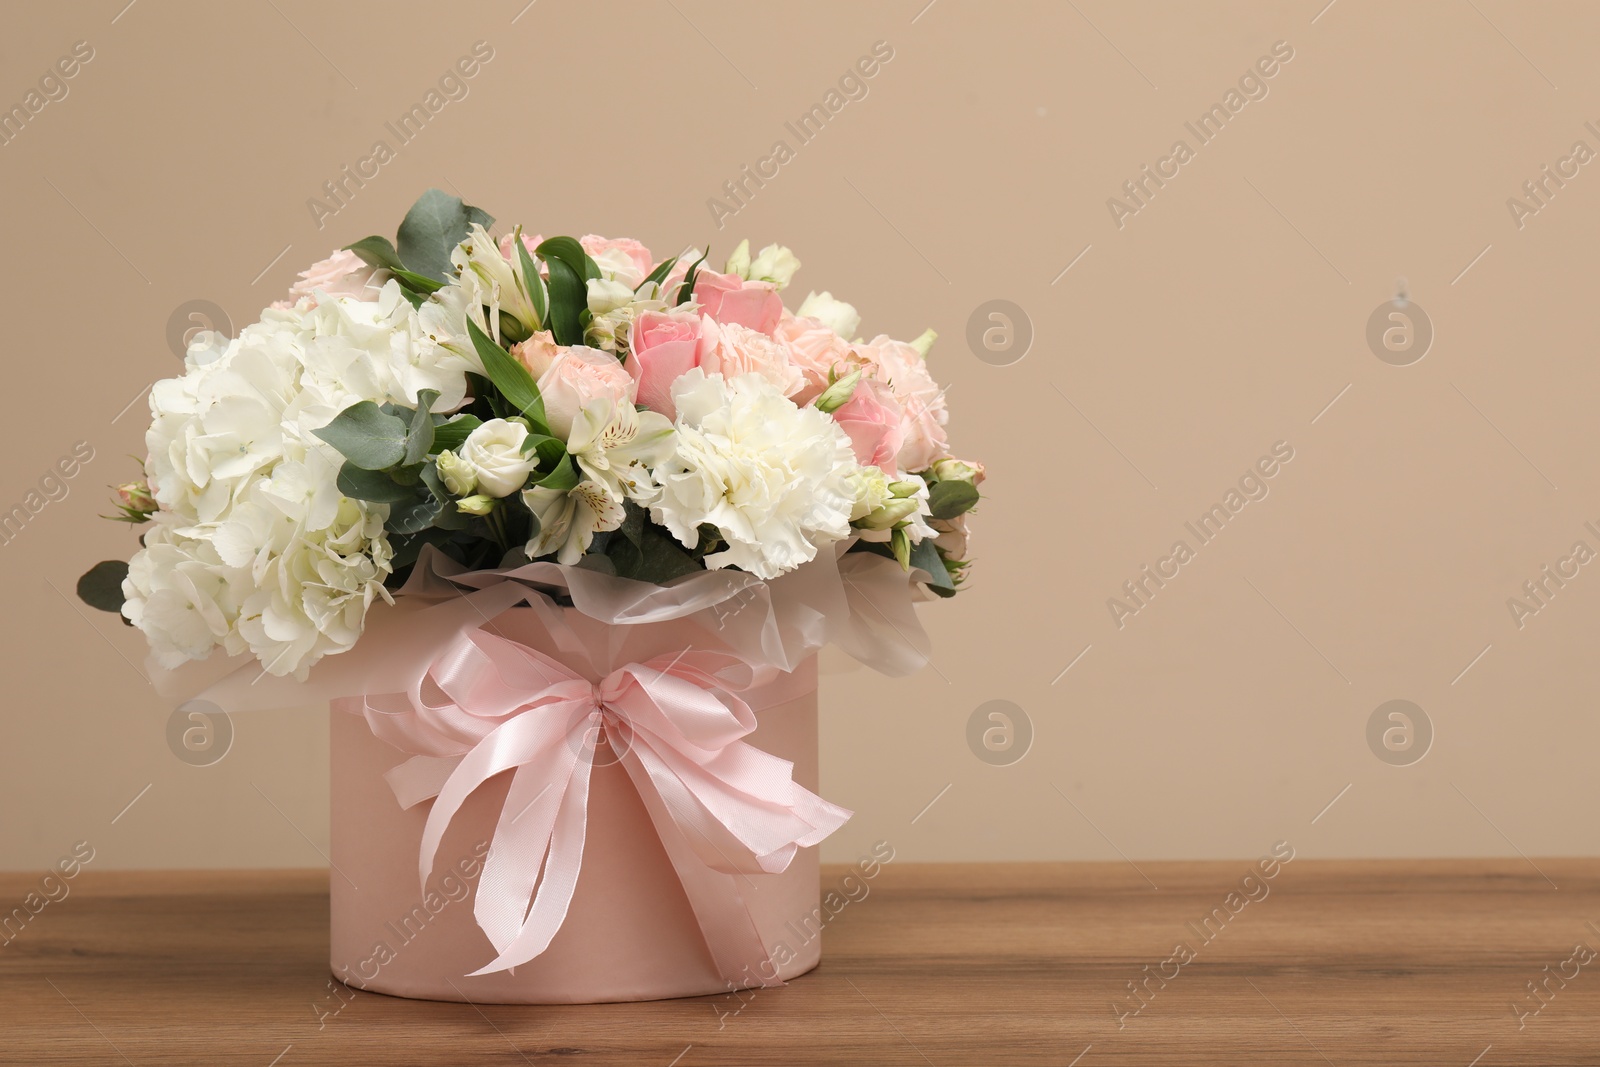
456 474
870 489
838 394
951 469
907 488
890 513
775 264
739 261
925 341
476 505
607 295
494 452
838 316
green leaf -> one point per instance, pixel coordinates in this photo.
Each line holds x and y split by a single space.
946 500
569 251
452 434
533 282
633 523
415 516
367 437
377 252
925 554
552 450
510 377
569 299
687 289
101 587
433 227
659 275
373 486
419 441
564 477
408 547
656 556
417 283
448 518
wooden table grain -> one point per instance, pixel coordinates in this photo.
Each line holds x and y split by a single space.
1341 963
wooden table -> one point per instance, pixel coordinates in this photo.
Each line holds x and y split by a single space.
1343 963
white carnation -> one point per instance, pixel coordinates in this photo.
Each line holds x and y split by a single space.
773 478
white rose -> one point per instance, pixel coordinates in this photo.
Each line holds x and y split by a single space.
838 316
494 452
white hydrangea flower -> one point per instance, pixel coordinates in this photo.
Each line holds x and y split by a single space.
773 478
255 549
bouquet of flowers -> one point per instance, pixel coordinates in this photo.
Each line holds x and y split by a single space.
515 400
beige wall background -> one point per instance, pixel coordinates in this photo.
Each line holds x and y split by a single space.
1167 355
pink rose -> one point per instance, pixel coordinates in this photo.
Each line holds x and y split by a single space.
577 377
903 369
816 350
621 258
343 273
537 353
662 347
530 241
730 350
728 298
875 424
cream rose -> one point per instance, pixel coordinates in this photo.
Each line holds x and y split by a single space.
494 452
575 378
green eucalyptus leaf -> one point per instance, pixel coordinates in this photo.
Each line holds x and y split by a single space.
453 433
377 251
415 516
374 487
925 554
433 227
946 500
101 587
419 441
367 436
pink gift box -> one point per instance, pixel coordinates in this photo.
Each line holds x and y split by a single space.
629 934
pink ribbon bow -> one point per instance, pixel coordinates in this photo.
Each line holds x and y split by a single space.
676 723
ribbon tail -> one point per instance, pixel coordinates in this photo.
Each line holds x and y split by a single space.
726 925
560 877
522 840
